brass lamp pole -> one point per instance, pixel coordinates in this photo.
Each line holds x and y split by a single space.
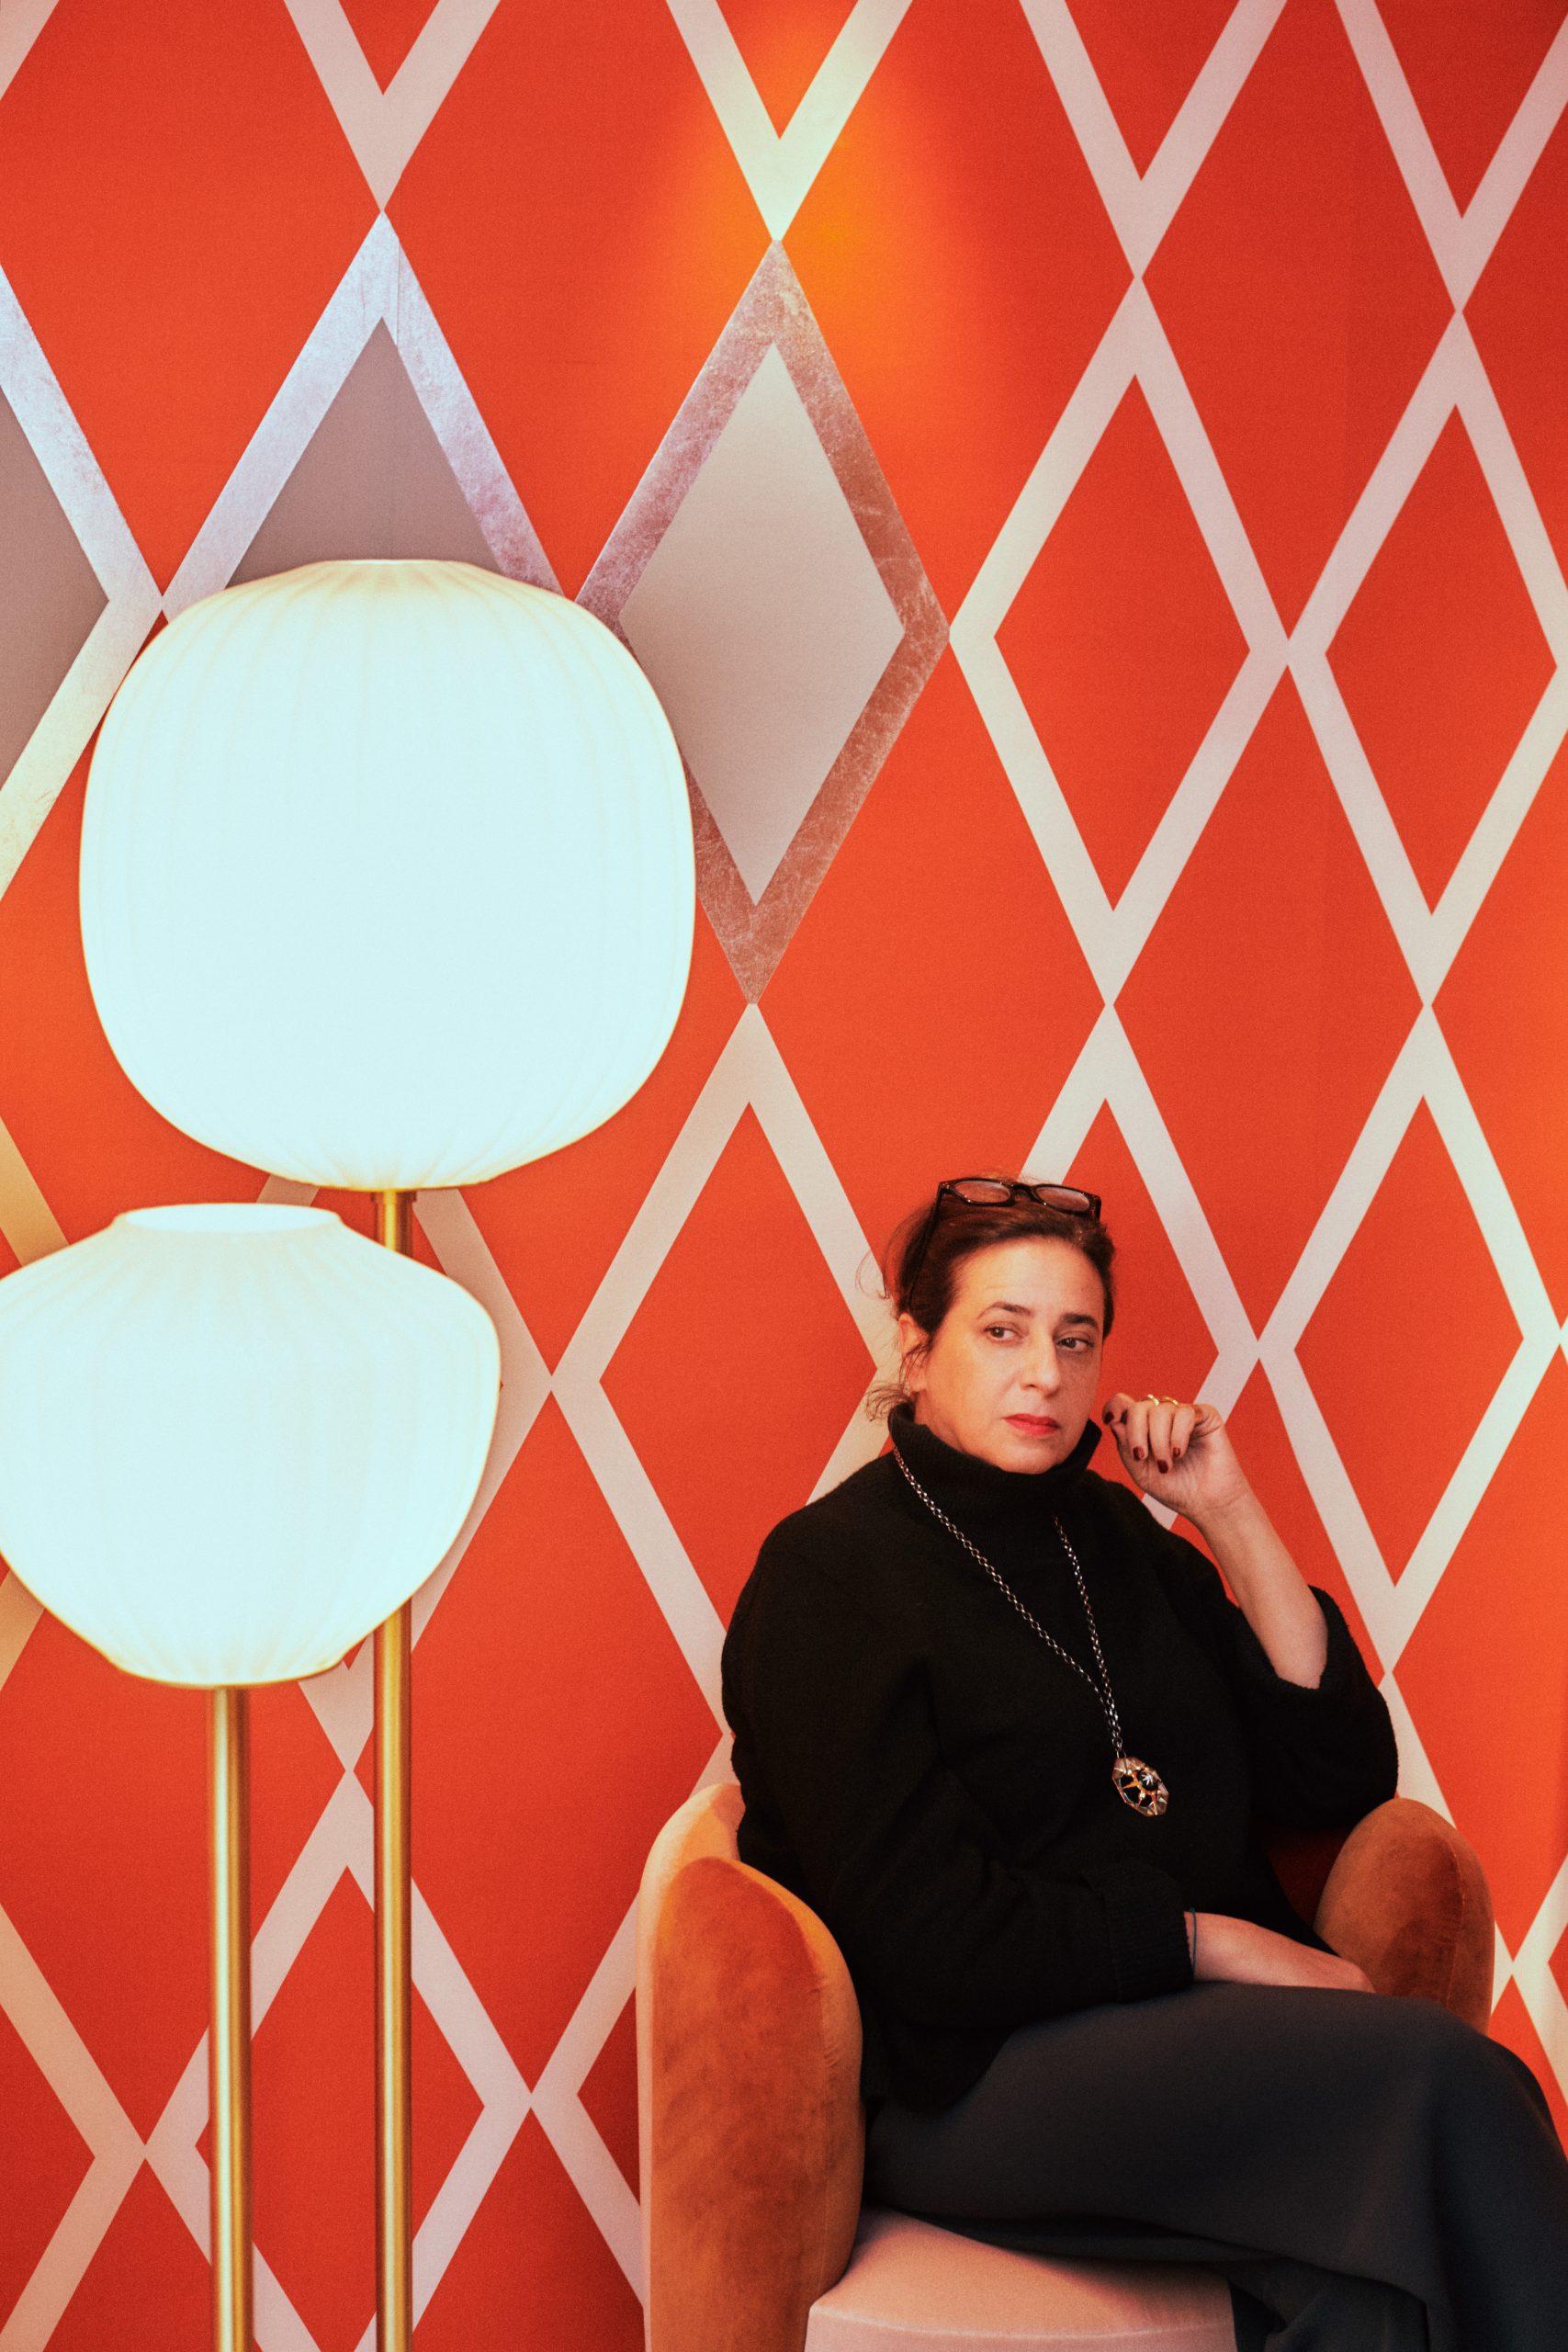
394 2091
228 2034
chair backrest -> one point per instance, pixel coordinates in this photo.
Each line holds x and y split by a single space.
707 1824
748 2048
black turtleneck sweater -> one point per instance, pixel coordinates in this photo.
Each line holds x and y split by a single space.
935 1783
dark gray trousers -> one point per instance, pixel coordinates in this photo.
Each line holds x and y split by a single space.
1370 2173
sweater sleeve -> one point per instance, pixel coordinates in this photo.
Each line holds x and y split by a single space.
1321 1755
848 1796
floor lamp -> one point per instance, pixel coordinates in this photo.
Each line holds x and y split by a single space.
387 883
232 1438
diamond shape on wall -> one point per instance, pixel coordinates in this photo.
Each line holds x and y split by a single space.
1441 659
373 481
1520 324
1300 297
294 1774
387 30
173 284
1270 987
1123 641
1503 1010
1263 1443
814 628
1147 60
609 2095
934 998
783 47
582 229
50 594
43 2161
958 259
1469 67
147 2269
314 2099
103 1842
763 623
551 1702
1485 1669
1160 1342
1408 1343
742 1352
532 2255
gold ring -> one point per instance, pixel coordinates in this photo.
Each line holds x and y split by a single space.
1152 1399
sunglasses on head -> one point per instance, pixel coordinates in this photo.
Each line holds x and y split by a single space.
994 1193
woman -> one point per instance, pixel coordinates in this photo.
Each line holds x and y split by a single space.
1012 1742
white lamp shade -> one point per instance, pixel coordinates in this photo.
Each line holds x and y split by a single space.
387 874
232 1440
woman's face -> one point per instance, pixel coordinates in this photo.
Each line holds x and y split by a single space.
1013 1370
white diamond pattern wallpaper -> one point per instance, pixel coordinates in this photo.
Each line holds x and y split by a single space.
1091 487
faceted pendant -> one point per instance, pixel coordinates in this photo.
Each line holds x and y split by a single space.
1139 1786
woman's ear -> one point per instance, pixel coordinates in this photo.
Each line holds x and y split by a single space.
912 1344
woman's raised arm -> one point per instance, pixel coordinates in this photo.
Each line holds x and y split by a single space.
1182 1456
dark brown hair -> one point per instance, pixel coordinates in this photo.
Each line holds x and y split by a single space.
961 1229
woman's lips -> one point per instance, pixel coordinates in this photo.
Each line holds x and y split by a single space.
1031 1426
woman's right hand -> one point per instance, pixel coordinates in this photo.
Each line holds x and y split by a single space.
1236 1951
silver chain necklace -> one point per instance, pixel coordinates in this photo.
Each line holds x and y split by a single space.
1136 1784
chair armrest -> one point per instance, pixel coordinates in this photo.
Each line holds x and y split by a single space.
1408 1902
757 2138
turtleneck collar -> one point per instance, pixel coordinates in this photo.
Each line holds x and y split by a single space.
974 1489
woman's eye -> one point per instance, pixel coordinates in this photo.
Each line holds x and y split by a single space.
999 1332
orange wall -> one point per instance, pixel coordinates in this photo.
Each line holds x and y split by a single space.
1095 498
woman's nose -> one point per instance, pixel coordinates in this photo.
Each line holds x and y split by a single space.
1043 1371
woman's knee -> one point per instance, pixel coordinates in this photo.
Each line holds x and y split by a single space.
1459 2064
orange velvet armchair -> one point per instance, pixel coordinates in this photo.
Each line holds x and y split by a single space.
752 2135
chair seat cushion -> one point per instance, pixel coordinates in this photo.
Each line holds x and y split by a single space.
916 2288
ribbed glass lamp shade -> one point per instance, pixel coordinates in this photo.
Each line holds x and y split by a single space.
387 874
233 1438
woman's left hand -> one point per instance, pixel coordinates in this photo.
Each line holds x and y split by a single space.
1179 1453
